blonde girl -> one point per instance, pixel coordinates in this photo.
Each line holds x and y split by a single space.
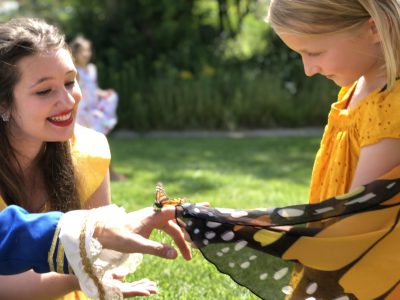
356 44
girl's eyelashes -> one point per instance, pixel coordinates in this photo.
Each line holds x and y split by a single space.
313 54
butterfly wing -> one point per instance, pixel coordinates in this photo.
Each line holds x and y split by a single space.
162 198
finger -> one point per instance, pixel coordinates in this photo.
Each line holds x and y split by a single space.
143 287
173 230
146 246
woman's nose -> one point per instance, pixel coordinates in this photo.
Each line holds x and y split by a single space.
66 98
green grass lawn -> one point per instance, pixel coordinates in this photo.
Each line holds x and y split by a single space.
235 173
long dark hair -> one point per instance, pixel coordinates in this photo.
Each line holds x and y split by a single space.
19 38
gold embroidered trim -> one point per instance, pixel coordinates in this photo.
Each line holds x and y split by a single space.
60 259
52 249
86 262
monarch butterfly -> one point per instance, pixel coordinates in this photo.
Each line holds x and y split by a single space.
162 198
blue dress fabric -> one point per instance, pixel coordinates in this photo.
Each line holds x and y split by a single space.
26 239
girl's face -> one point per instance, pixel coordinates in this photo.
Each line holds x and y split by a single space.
45 98
83 55
341 57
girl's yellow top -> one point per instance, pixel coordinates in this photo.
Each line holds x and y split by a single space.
91 157
374 118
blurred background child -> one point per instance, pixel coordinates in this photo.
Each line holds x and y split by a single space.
98 107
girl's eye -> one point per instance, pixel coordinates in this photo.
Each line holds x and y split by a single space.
314 54
43 92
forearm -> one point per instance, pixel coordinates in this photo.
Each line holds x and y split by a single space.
33 286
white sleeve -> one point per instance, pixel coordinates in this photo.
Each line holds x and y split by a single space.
93 265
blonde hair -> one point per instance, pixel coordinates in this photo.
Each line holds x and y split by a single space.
312 17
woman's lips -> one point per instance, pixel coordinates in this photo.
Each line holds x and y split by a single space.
62 120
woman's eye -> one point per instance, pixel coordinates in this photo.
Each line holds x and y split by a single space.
70 83
43 92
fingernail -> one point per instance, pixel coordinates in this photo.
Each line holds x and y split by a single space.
171 253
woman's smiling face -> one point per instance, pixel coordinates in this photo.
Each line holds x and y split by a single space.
46 98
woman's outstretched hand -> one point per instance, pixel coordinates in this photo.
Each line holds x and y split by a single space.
132 235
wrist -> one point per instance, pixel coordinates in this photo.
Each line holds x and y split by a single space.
100 233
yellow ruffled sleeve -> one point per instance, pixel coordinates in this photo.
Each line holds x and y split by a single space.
91 157
380 118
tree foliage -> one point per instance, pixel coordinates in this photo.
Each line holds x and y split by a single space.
216 58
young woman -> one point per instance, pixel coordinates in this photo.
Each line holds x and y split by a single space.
47 162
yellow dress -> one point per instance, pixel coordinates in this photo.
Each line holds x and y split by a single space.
91 158
374 118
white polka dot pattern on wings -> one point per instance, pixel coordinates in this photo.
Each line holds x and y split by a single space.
245 265
342 298
240 245
239 213
323 210
290 212
281 273
391 185
210 235
225 250
312 288
361 199
211 224
287 290
227 236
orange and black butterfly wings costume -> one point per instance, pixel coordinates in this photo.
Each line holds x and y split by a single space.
355 255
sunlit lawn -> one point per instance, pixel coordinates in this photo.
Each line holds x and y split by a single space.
234 173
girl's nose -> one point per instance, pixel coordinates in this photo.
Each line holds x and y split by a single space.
310 68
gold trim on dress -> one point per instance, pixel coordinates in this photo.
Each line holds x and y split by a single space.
53 248
60 259
86 262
